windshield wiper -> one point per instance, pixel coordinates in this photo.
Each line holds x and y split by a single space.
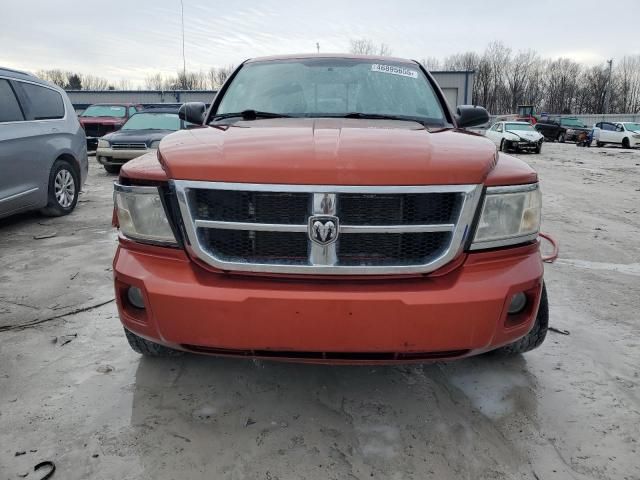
380 116
250 115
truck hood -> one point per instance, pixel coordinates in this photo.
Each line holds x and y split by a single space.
328 152
146 136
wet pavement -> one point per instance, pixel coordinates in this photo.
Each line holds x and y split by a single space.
71 390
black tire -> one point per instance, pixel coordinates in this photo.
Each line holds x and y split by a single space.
503 145
599 144
538 333
149 349
115 169
538 148
625 143
561 138
63 189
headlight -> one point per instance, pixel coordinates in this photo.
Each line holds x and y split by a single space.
636 136
103 143
141 215
510 215
154 145
570 131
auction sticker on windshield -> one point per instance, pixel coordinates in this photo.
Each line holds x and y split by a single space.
394 70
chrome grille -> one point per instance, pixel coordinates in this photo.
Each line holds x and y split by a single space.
129 146
380 230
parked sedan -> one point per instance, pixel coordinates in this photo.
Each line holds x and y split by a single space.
141 134
515 136
43 153
626 134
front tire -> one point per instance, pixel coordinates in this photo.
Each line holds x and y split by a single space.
503 145
149 349
63 190
625 143
538 148
114 169
538 333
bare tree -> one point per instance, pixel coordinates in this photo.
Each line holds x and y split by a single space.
218 75
154 82
56 76
627 79
364 46
518 75
431 63
91 82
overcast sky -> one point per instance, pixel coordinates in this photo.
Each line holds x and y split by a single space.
131 39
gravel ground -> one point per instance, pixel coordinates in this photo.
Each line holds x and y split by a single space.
72 391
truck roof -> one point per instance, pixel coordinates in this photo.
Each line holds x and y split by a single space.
331 55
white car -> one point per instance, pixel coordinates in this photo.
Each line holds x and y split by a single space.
515 136
626 134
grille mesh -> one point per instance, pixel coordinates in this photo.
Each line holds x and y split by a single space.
255 246
398 209
391 248
255 207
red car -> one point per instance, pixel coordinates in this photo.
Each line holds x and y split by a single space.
330 209
102 118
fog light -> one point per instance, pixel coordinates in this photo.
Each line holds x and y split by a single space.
518 302
134 295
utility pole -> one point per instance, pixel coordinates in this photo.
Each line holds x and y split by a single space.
184 61
607 93
318 46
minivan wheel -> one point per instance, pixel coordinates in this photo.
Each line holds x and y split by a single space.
64 186
536 336
112 168
149 349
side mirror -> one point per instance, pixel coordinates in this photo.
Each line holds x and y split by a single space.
192 112
471 116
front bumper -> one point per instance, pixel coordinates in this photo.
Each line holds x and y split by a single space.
329 320
523 144
110 156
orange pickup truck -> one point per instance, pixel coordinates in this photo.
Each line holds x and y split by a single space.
330 209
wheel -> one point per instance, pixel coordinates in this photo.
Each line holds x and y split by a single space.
115 169
536 336
538 148
149 349
599 144
503 145
625 143
561 138
64 186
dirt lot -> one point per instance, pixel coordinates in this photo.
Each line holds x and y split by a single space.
73 392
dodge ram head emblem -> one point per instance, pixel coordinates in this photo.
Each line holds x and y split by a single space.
323 229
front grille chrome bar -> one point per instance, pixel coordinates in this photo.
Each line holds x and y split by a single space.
287 227
323 259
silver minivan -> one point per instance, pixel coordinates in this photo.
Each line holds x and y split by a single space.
43 148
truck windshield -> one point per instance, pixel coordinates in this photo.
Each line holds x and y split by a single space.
519 126
153 121
333 87
105 111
